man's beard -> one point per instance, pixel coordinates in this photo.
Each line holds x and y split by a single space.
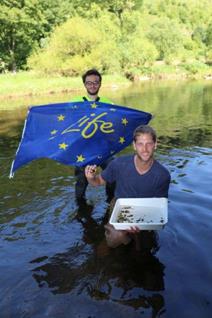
93 93
150 158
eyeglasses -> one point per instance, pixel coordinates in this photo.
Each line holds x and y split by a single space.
92 83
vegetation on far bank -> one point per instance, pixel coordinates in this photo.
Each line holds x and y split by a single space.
31 83
129 37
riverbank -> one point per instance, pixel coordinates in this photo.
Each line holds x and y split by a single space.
15 85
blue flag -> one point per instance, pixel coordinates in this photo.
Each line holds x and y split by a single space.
77 133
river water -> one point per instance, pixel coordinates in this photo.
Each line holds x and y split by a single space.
53 258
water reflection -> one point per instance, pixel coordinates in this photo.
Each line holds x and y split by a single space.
183 112
54 256
122 275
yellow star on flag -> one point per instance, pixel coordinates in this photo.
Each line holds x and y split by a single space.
93 105
124 121
53 132
121 140
63 146
80 158
60 117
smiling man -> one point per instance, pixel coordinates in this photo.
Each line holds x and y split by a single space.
136 176
92 81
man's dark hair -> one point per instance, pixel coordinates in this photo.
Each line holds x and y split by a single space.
144 130
93 71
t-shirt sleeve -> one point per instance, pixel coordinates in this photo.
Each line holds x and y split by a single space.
163 186
109 173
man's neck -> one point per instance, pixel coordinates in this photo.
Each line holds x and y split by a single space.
92 97
143 166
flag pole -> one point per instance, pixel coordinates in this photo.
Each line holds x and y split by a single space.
11 175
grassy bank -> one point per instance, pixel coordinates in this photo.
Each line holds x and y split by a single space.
19 84
30 83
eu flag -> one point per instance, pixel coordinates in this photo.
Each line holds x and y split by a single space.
77 133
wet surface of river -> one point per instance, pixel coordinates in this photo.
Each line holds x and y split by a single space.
53 258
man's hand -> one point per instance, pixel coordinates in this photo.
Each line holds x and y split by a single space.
90 171
92 177
133 230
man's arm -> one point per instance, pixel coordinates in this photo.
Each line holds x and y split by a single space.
93 179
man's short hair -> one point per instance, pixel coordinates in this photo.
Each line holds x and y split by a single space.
93 71
143 129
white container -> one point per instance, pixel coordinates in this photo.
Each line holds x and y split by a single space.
146 214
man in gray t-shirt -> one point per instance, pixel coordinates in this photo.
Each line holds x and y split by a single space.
136 176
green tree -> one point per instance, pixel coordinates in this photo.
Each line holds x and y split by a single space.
167 37
24 24
208 36
75 46
21 23
135 48
140 52
208 41
126 33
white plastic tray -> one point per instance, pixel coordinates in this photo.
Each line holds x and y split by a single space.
146 214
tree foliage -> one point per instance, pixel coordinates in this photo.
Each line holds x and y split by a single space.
75 46
68 36
166 36
21 24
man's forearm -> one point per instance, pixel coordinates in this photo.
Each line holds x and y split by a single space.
95 181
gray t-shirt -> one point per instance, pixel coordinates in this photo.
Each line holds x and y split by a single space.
131 184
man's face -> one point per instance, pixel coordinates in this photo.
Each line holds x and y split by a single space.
144 147
92 84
